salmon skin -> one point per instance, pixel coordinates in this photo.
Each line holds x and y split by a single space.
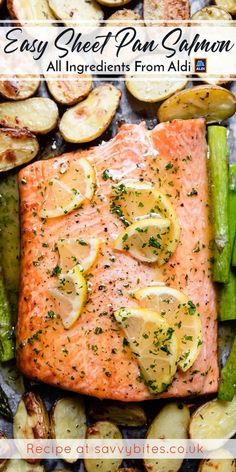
95 361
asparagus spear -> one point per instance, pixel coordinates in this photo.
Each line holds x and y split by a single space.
5 409
228 293
234 253
228 376
217 141
6 335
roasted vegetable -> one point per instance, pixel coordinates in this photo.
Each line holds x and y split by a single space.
114 3
70 90
228 376
103 430
174 414
19 465
37 114
214 420
10 238
225 464
122 414
211 102
154 10
90 118
17 147
211 13
153 90
77 10
36 12
7 348
5 409
31 418
19 88
123 17
228 5
218 152
68 420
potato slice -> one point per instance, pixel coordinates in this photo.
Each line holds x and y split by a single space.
122 414
16 148
103 430
214 420
19 88
226 464
90 118
70 90
172 422
123 18
37 114
35 11
77 10
165 10
31 419
68 420
19 465
211 13
211 102
228 5
147 90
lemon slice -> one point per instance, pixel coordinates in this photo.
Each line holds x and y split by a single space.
134 200
154 344
181 314
70 296
147 240
69 189
77 251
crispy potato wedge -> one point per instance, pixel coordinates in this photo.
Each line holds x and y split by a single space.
154 10
228 5
122 414
211 102
90 118
123 18
70 90
153 90
212 13
225 464
19 465
177 415
17 146
31 418
214 420
77 10
68 420
19 88
37 114
35 11
103 430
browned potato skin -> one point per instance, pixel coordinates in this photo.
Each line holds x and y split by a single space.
63 92
13 91
9 157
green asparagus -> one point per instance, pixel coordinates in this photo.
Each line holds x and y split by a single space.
234 252
228 376
6 332
5 409
217 140
228 293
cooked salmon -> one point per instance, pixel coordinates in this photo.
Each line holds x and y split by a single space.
91 357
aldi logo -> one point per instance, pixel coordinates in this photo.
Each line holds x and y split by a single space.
200 65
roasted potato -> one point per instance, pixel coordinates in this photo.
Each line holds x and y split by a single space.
172 422
211 13
38 114
225 464
153 90
68 420
214 420
77 10
17 146
34 11
114 3
164 11
19 465
19 88
31 419
123 18
90 118
228 5
211 102
127 469
70 90
122 414
103 430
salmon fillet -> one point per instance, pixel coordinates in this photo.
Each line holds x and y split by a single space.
95 361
